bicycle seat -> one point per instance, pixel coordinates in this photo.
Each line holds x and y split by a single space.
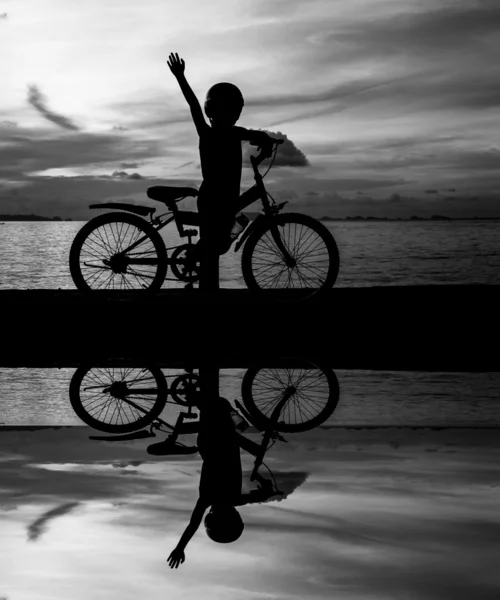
168 447
169 194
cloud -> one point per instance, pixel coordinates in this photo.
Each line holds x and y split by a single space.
132 165
276 8
447 27
336 99
185 164
123 464
3 16
38 101
124 175
38 527
69 197
445 53
288 482
26 151
474 160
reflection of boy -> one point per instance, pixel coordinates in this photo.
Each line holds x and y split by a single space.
221 479
221 164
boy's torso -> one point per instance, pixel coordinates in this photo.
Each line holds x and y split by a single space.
221 473
221 161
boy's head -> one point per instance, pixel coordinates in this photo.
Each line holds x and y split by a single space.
224 524
223 104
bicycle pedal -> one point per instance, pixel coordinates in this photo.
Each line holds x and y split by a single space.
190 416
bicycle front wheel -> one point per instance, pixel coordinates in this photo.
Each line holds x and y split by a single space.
118 251
314 264
315 395
118 400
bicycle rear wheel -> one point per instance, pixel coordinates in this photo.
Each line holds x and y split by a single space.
313 250
118 399
99 259
315 398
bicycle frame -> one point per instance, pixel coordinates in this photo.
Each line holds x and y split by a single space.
181 218
181 428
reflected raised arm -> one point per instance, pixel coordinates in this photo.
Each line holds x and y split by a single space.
177 555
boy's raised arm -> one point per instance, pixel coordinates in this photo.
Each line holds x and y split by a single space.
177 67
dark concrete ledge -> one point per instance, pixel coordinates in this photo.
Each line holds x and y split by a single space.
436 328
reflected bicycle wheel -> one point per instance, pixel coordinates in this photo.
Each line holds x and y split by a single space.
118 399
100 258
315 397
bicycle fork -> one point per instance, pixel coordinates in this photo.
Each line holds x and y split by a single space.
290 262
289 392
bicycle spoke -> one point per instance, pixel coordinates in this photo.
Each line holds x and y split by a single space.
121 242
313 265
141 394
312 393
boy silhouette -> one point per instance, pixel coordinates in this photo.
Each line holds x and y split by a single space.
221 476
221 165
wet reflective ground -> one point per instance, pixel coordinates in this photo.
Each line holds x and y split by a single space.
389 513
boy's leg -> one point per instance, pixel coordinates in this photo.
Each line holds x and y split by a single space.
211 270
216 221
209 248
209 257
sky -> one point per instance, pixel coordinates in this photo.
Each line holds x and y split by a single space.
388 107
392 514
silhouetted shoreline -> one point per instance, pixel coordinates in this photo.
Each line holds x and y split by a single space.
252 215
412 218
30 217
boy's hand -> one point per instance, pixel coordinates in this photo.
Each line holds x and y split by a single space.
266 485
176 557
176 65
264 143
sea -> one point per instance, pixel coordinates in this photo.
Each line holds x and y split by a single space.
34 255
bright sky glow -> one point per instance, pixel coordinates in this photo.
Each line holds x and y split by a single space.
387 99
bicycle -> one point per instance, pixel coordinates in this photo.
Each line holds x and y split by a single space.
269 426
180 428
124 251
126 399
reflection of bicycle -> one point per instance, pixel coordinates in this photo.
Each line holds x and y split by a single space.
172 446
121 251
125 399
280 405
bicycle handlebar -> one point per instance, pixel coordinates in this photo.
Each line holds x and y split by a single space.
256 160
